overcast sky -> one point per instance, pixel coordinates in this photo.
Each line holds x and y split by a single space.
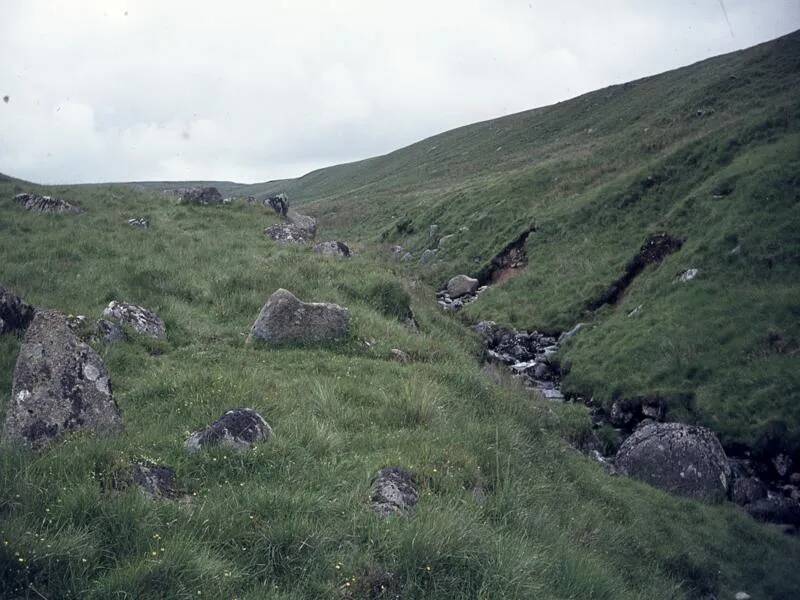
112 90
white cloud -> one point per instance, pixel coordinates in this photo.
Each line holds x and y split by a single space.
120 90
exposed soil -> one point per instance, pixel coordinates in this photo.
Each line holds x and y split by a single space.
508 263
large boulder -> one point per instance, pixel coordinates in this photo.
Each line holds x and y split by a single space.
238 429
681 459
462 285
60 385
15 315
394 492
201 195
285 319
333 248
46 204
279 203
303 222
286 233
138 318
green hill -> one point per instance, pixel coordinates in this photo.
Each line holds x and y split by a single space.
507 509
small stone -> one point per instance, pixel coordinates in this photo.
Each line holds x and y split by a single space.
688 275
400 356
202 196
742 596
394 492
139 223
140 319
238 429
407 257
333 248
15 314
427 256
109 332
155 482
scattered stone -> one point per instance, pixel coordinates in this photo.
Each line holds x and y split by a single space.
139 223
238 429
681 459
397 252
688 275
427 256
109 332
432 230
394 492
285 233
156 482
142 321
400 356
201 195
251 200
746 490
46 204
742 596
407 257
15 314
782 464
775 509
303 223
462 285
285 319
60 385
333 248
279 203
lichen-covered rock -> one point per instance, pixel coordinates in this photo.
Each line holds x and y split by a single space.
285 319
15 314
286 233
746 490
462 285
155 482
279 203
46 204
201 195
400 356
238 429
109 332
394 492
332 248
60 385
140 319
681 459
303 222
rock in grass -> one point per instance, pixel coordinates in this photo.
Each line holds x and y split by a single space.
394 492
279 203
201 195
333 248
139 222
681 459
138 318
109 332
15 315
46 204
303 223
238 429
285 319
400 356
60 385
286 233
776 509
427 256
461 285
156 482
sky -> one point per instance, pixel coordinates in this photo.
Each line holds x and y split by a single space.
112 90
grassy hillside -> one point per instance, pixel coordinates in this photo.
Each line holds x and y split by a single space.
291 519
709 153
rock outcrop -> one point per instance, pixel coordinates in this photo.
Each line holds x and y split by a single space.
681 459
285 233
285 319
60 385
15 314
462 285
238 429
46 204
333 248
303 223
141 320
394 492
279 203
201 195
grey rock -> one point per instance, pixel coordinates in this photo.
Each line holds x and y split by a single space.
461 285
775 509
445 240
567 335
635 311
407 257
394 492
227 201
155 482
46 204
279 203
742 596
681 459
286 233
620 414
60 385
485 329
141 320
688 275
782 464
238 429
552 394
333 248
109 332
139 223
432 230
397 251
201 195
400 356
427 257
746 490
303 223
285 319
541 370
251 200
15 314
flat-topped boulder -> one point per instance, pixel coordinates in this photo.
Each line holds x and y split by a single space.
333 248
286 319
46 204
462 285
238 429
201 195
141 320
286 233
15 314
680 459
60 385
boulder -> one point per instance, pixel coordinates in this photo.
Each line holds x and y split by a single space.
681 459
142 321
394 492
155 482
461 285
303 223
15 315
776 509
238 429
746 490
279 203
285 233
201 195
427 256
109 332
46 204
60 385
400 356
286 319
332 248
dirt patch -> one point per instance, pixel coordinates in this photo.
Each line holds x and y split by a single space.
508 263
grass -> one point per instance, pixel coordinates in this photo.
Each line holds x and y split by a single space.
291 518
